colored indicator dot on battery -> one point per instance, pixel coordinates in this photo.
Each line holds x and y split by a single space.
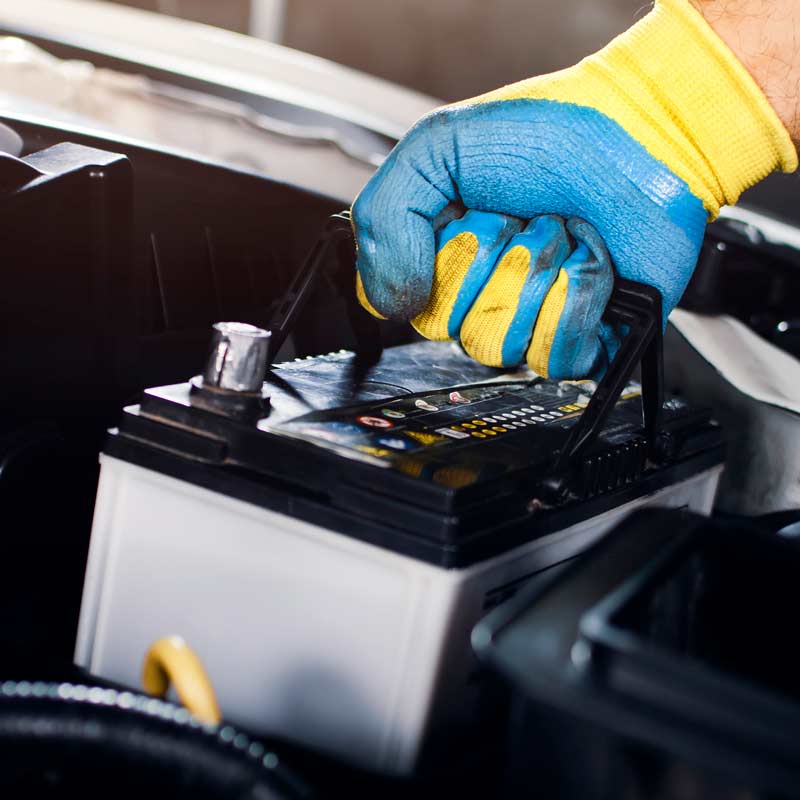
478 435
479 422
456 428
468 425
500 429
490 432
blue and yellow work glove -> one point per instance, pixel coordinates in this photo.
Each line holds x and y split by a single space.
644 141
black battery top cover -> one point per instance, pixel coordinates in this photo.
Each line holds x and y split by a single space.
434 447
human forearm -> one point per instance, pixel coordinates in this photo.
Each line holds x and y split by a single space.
763 36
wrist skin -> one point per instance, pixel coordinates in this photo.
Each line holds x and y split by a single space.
761 34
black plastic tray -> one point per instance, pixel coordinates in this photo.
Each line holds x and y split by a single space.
661 664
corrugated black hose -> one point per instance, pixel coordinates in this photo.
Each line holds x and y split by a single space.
64 740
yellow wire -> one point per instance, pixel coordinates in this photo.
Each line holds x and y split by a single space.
172 661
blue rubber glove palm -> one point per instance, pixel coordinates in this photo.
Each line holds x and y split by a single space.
618 141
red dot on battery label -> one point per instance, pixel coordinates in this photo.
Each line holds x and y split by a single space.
375 422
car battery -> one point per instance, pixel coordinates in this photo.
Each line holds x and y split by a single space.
328 555
326 532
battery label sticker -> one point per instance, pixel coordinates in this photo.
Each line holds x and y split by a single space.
333 431
397 443
457 397
425 438
379 452
451 427
375 422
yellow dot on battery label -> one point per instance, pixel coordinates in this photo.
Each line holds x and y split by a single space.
468 425
490 432
500 429
479 422
456 428
478 435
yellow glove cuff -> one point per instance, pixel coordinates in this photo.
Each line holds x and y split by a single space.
677 89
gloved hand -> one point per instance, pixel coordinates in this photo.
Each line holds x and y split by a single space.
644 140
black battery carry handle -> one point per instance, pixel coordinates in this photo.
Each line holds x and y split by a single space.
638 307
333 253
283 316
